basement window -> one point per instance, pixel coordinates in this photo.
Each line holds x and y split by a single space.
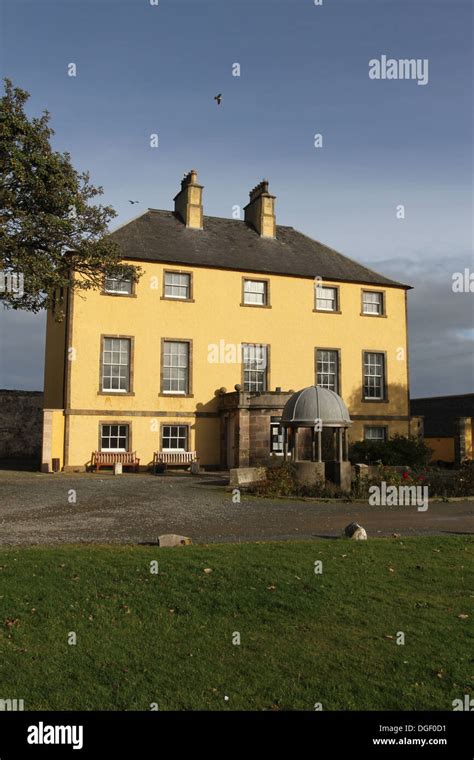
375 433
114 437
174 438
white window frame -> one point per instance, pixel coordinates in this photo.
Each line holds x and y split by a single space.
177 366
377 302
176 437
370 364
115 349
127 280
177 285
378 428
255 363
323 360
126 427
251 289
322 294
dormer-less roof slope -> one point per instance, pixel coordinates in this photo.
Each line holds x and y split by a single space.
232 244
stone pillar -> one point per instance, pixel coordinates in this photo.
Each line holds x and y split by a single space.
346 444
362 470
340 473
47 440
339 439
243 438
310 472
320 446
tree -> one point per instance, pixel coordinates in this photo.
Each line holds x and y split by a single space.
50 235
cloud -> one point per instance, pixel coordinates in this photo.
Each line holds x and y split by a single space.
440 324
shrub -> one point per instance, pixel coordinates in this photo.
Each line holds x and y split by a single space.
282 481
399 450
464 479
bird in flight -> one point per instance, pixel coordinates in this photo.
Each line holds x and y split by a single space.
132 202
218 98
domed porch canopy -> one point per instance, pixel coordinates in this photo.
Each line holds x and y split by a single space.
316 408
304 408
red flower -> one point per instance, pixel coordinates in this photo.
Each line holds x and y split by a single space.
406 476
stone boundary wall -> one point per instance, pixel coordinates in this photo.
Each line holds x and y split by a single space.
21 421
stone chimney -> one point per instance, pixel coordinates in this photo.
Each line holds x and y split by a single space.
260 210
188 202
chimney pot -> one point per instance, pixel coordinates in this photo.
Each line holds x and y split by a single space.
260 210
188 202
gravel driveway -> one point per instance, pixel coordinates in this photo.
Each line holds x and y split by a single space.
40 509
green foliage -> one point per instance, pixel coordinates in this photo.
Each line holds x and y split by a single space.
48 227
440 482
451 482
464 478
305 638
282 481
399 450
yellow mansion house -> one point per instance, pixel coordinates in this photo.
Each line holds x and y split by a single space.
201 354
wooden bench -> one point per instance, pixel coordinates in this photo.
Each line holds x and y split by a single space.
109 458
173 457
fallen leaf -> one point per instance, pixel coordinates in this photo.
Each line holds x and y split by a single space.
463 616
207 570
10 622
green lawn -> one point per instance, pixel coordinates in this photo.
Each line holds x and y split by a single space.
305 637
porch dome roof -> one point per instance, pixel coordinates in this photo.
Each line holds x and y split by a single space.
306 406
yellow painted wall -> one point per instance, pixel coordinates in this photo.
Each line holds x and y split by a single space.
57 448
443 449
470 439
84 436
356 431
54 364
290 327
53 438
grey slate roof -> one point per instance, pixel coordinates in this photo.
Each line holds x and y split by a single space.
306 406
232 244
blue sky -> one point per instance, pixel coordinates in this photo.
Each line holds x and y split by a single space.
145 69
